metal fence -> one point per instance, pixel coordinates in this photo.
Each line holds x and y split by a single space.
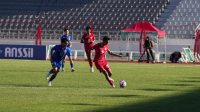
29 34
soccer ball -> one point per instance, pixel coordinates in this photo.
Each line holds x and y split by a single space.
122 83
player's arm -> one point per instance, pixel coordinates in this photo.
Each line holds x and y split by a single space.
111 53
82 39
92 39
62 37
94 47
69 44
70 41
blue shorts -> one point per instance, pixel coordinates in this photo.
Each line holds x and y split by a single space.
56 64
69 52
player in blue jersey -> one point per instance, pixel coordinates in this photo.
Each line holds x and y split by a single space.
57 54
69 38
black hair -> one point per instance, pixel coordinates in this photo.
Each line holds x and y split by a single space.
106 38
87 28
65 29
63 40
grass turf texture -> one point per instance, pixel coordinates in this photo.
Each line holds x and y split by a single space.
150 88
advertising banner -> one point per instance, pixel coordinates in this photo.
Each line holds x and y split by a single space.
29 52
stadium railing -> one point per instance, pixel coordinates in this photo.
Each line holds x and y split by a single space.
29 34
128 55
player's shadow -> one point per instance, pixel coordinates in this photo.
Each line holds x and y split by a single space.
178 85
193 78
156 89
22 85
32 71
188 81
123 96
82 104
27 85
187 102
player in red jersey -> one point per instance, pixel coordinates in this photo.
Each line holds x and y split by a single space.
88 40
100 59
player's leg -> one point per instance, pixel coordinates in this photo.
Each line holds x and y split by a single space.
109 71
107 68
49 73
109 79
89 57
100 67
55 68
53 77
69 54
71 63
63 65
53 64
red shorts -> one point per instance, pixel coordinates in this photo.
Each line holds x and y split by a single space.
88 49
102 66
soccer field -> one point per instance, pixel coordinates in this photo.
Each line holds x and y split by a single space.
150 88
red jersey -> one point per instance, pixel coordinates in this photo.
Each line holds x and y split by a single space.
100 52
88 40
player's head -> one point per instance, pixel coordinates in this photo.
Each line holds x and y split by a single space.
147 38
64 42
105 39
88 29
66 31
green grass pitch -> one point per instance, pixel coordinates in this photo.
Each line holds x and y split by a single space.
150 88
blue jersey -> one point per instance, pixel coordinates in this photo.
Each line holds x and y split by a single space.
69 53
58 53
68 37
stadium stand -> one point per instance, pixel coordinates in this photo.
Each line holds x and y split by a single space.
104 14
183 20
33 7
177 17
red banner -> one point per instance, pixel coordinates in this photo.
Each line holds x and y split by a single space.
38 36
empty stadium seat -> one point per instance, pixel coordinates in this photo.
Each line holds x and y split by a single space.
110 15
185 17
